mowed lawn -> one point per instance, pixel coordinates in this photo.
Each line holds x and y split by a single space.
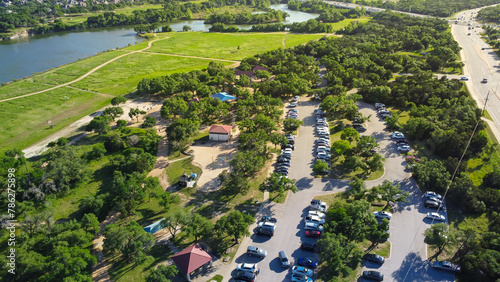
122 76
25 119
72 71
19 88
225 46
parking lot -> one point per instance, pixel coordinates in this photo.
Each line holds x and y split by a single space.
408 251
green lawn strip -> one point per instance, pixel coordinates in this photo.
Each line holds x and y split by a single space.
487 115
344 23
19 88
404 116
26 121
484 163
73 70
225 46
217 278
121 77
123 270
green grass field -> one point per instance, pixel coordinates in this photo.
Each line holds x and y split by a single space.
19 88
122 76
26 121
79 18
225 46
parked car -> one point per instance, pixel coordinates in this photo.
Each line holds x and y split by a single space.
292 105
433 194
309 246
313 233
383 214
249 267
404 148
359 127
316 207
313 226
295 99
321 143
374 258
464 78
317 213
412 159
373 275
283 159
285 263
288 146
397 135
315 219
297 277
269 219
291 141
307 262
268 224
288 135
245 276
256 251
317 202
266 231
435 216
435 199
485 80
402 142
302 270
446 265
431 204
379 105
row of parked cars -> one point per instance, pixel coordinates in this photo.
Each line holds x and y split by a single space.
382 111
284 159
433 201
322 151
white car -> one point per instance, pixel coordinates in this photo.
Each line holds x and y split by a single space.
464 78
315 219
383 214
435 216
313 226
397 135
435 199
429 194
316 207
248 267
379 105
292 105
267 224
404 148
287 150
323 148
316 213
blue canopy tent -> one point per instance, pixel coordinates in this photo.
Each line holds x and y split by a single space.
223 96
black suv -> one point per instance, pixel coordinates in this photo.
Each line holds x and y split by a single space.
431 204
245 276
265 231
309 246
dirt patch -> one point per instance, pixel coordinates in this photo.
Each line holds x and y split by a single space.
213 157
100 270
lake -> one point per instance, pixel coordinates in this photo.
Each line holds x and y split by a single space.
26 56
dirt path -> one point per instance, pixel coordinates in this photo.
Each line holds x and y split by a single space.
83 76
100 270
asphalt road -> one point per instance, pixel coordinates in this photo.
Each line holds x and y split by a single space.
408 251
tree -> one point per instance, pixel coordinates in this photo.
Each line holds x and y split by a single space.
135 113
350 134
199 226
375 163
291 124
113 112
278 183
90 223
277 138
440 235
99 124
340 255
262 74
121 123
173 107
131 241
149 122
235 224
247 163
174 221
388 192
244 81
168 199
166 28
91 204
118 100
186 28
340 147
358 188
320 167
162 273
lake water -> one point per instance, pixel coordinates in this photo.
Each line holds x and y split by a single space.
23 57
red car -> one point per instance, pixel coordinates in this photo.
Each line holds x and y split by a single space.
412 159
313 233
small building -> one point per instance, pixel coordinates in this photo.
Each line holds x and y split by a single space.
191 259
154 227
256 68
220 133
223 96
247 73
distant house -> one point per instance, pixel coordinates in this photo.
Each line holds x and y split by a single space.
220 133
223 96
247 73
191 259
256 68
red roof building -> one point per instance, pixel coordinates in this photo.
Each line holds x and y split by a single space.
220 132
190 259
